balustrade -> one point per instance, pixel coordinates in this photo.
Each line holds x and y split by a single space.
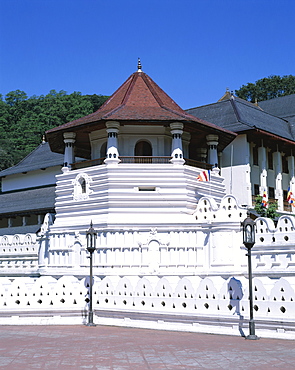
140 160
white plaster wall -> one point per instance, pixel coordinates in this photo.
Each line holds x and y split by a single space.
255 176
158 136
210 243
130 135
97 138
19 254
116 195
237 153
237 182
30 179
236 170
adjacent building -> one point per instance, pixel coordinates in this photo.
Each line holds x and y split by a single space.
261 158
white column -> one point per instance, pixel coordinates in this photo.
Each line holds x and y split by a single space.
24 221
291 168
263 170
246 181
176 147
278 178
112 145
69 155
212 142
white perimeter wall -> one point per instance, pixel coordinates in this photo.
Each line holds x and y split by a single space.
213 298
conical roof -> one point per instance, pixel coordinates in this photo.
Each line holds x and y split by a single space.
139 100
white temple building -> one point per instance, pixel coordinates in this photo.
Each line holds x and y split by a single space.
166 241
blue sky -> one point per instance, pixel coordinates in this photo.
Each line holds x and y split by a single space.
193 49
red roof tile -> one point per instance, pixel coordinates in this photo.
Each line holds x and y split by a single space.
138 100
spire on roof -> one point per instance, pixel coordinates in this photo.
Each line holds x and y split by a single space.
228 94
139 66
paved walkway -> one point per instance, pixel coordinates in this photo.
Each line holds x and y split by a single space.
102 347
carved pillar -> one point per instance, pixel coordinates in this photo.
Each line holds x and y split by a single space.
212 142
69 155
24 221
176 148
263 170
112 145
278 180
291 168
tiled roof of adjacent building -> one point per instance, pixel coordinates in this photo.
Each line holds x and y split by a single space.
27 201
238 115
39 158
28 229
283 107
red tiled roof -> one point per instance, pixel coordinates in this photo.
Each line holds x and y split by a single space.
138 99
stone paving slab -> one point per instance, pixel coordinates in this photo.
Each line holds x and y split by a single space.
117 348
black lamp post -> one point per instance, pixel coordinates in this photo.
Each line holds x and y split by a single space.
249 240
91 241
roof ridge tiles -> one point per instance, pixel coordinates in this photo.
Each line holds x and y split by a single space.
27 156
235 109
208 105
134 77
152 90
113 111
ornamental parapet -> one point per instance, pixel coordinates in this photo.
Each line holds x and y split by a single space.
140 160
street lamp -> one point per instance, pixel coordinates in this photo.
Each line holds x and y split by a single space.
249 240
91 241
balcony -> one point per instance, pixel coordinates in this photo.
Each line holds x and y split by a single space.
140 160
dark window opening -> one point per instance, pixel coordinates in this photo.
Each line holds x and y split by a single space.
285 164
256 189
146 189
271 192
255 155
143 149
270 160
83 185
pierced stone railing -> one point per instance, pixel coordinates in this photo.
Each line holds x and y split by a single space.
140 160
145 159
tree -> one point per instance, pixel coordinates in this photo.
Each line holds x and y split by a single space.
269 212
23 120
267 88
14 97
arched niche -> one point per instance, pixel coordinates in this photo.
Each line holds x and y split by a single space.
143 149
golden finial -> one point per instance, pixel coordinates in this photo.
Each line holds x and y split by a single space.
139 66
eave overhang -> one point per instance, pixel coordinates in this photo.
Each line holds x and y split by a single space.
269 139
